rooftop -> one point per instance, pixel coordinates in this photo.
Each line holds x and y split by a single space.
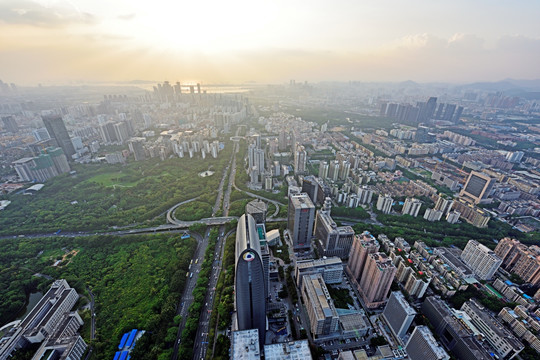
245 345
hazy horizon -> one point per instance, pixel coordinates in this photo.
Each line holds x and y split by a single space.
60 42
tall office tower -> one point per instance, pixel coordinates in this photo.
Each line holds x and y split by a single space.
477 187
423 346
257 208
310 186
41 134
428 110
482 261
443 204
506 345
332 240
323 169
449 112
376 280
457 114
333 172
384 203
57 130
249 282
300 158
300 220
398 314
411 207
10 125
282 140
363 245
323 317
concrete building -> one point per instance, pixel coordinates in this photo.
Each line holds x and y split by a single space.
245 345
300 220
257 208
398 314
384 203
323 169
433 215
363 245
292 350
502 340
411 207
50 163
443 204
520 259
323 317
49 319
136 147
453 332
453 217
470 213
10 124
482 261
423 346
330 268
310 186
332 240
376 280
249 283
478 187
57 130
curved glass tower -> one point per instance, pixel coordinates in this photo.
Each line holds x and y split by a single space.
249 282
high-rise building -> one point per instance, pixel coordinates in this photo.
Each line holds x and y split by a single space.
257 208
300 158
453 216
301 215
333 172
472 214
384 203
310 186
323 169
478 187
398 314
249 282
519 259
443 204
482 261
411 207
363 245
330 268
50 163
376 280
57 130
10 124
332 240
323 316
136 147
433 215
423 346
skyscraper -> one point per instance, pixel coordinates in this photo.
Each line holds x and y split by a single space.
300 157
482 261
57 130
363 245
249 282
384 203
300 220
411 207
323 169
376 280
398 314
10 125
310 187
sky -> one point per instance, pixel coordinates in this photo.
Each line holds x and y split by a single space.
216 41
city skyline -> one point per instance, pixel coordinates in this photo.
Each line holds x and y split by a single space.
58 42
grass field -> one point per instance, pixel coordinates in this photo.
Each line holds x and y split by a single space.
114 178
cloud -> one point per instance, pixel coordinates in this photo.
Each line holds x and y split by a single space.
127 16
27 12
